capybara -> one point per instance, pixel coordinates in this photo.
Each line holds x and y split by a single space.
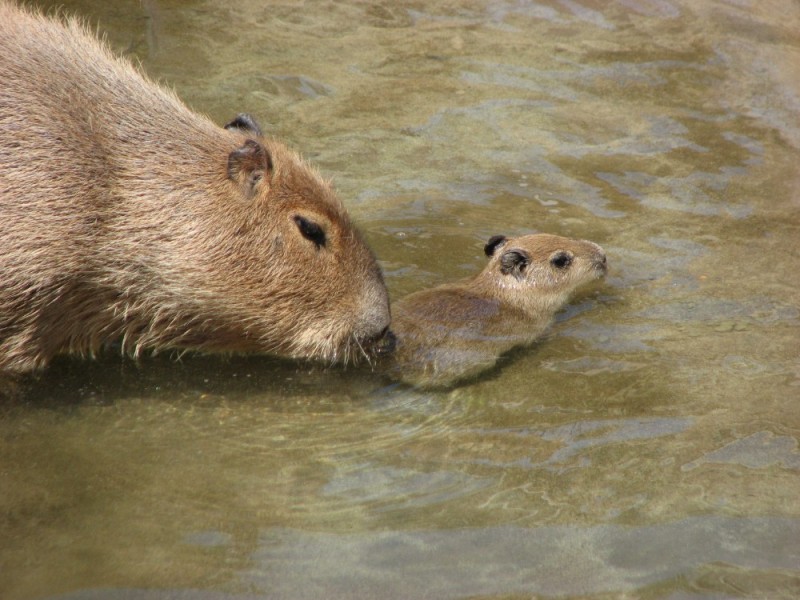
129 218
457 330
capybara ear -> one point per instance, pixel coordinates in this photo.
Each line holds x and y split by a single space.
494 242
244 123
514 262
249 165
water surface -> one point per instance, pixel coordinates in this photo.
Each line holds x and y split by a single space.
647 448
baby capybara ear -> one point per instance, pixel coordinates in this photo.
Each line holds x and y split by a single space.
244 123
493 244
249 165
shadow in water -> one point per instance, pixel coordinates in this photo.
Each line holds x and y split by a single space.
108 379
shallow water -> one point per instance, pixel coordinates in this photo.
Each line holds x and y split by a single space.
647 448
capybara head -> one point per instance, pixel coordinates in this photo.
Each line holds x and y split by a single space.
129 217
296 271
536 271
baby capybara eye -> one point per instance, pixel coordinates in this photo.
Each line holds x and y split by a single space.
310 230
561 260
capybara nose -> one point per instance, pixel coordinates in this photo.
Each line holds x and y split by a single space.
598 257
374 317
601 262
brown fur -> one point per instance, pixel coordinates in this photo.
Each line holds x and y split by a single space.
457 330
125 216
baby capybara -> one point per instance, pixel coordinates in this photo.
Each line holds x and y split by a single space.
458 330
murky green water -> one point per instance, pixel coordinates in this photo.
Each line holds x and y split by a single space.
648 448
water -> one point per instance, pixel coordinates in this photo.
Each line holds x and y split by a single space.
647 448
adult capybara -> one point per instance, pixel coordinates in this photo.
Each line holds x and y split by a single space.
458 330
127 217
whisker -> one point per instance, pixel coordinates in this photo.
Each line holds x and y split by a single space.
364 352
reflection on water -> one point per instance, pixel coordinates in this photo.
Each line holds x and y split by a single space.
756 451
648 446
554 561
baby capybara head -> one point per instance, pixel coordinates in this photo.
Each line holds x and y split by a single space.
535 272
288 270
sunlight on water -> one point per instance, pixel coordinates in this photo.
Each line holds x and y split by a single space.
647 446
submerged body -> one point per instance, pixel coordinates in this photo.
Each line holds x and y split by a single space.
128 217
458 330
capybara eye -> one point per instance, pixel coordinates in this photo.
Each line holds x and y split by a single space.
561 260
310 230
